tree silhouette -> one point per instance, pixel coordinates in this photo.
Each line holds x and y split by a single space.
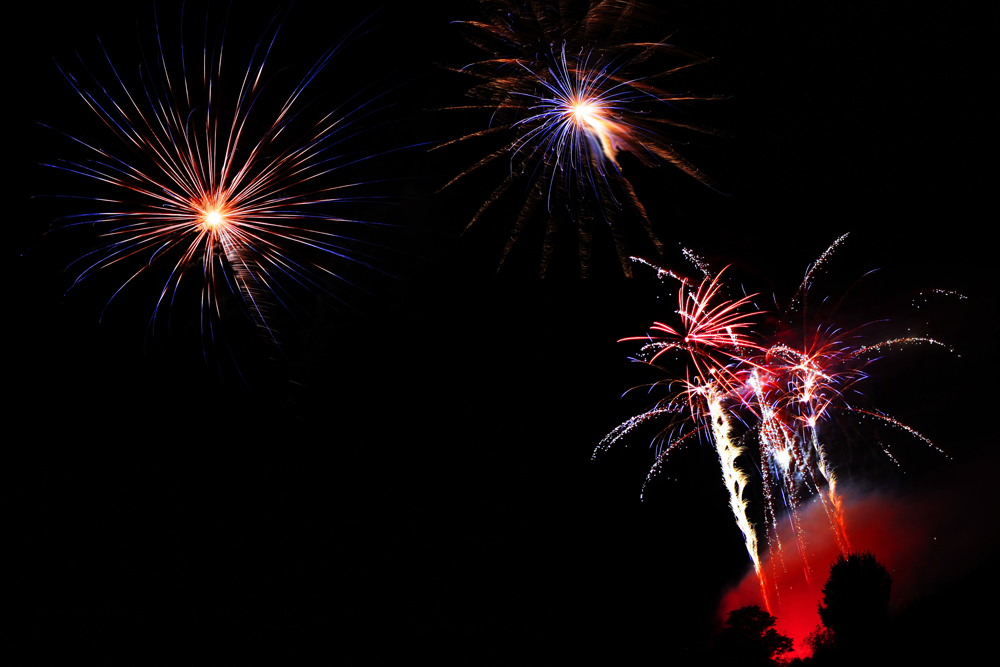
750 637
855 602
820 643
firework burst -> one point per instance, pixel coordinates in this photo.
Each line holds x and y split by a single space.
572 94
222 178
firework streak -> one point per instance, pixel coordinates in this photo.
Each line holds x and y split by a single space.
561 82
789 389
211 174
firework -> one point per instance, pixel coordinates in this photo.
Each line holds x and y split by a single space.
572 96
221 178
784 391
798 385
712 334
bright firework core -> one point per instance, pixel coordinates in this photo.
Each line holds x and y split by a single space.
585 112
213 219
591 118
783 457
214 215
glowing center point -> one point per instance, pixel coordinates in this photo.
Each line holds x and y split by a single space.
585 113
593 119
783 458
213 219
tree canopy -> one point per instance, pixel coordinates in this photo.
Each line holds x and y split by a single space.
855 603
750 636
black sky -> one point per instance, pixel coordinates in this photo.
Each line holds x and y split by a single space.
416 479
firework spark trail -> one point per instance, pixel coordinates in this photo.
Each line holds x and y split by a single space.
787 404
734 479
250 208
833 502
815 405
781 467
796 379
571 95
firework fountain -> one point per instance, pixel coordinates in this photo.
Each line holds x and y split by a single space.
786 391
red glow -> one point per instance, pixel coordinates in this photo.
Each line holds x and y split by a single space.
903 535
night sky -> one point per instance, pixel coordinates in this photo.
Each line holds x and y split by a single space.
413 476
